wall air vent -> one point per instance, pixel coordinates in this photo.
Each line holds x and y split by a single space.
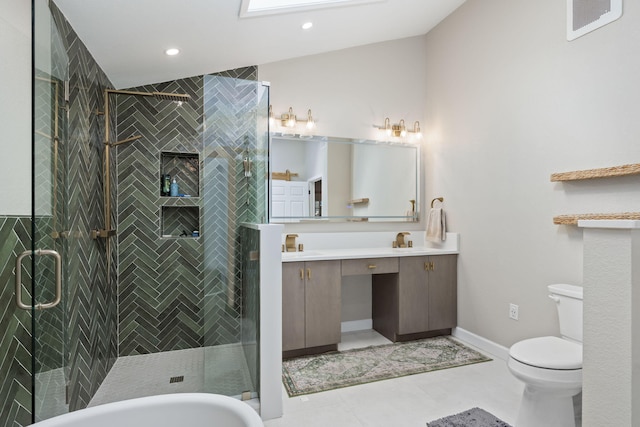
584 16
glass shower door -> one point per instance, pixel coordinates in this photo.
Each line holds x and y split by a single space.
234 169
49 216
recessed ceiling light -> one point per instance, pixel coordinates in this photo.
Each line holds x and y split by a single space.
172 51
307 25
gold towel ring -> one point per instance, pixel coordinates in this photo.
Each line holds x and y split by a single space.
440 199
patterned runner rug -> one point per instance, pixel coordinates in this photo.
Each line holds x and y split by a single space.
312 374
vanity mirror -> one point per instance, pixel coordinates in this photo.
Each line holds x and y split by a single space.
319 178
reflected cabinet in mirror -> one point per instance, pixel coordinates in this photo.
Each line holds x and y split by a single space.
337 179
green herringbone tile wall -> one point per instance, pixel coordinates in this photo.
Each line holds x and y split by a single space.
15 333
160 282
91 305
177 293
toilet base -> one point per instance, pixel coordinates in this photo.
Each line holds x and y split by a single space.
544 408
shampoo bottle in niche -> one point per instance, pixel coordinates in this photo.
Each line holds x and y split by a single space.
174 188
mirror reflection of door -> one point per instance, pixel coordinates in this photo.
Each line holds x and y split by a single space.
315 196
289 199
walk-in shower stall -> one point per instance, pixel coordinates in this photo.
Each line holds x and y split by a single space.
158 291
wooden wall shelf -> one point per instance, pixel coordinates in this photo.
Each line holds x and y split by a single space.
283 176
573 219
361 201
624 170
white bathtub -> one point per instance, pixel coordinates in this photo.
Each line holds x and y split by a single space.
168 410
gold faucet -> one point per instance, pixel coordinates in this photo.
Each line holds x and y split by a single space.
290 242
400 243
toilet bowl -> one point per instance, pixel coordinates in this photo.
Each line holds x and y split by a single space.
551 367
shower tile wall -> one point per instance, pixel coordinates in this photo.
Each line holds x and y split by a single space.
178 293
15 339
91 302
160 288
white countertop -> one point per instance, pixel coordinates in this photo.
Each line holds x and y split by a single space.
356 253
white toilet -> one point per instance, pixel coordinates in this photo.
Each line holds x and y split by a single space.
551 367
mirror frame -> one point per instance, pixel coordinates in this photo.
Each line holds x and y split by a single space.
342 218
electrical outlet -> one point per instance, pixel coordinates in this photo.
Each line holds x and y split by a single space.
513 311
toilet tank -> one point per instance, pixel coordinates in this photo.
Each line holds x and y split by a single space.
568 300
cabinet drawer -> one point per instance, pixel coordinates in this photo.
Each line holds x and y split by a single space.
353 267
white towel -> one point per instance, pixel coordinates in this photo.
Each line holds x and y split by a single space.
436 224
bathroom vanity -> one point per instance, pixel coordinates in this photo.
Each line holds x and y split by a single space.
413 291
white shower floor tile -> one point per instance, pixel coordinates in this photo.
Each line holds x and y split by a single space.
225 372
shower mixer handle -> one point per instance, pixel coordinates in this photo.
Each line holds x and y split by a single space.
102 234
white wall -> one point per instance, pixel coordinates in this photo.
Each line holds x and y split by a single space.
15 107
509 102
349 91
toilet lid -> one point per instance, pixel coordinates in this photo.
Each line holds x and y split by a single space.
548 352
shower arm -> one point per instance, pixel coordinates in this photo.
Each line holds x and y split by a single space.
124 141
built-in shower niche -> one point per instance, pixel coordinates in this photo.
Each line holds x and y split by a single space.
185 167
180 221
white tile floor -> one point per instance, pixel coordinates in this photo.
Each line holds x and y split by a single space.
221 369
407 401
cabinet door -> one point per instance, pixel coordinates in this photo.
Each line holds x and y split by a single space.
413 299
443 296
322 303
293 305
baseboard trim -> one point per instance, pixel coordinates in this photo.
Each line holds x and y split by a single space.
356 325
482 343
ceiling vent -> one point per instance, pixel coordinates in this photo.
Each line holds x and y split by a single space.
584 16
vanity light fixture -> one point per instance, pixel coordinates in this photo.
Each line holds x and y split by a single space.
288 119
172 51
310 122
416 129
387 126
399 130
288 122
272 119
307 25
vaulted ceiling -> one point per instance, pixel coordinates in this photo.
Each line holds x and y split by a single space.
128 38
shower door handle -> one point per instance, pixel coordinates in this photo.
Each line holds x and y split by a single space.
39 306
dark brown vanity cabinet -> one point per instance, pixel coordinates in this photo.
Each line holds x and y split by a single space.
421 300
311 309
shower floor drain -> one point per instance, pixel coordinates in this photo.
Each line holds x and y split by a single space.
176 379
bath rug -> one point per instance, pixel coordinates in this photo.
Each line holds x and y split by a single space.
474 417
312 374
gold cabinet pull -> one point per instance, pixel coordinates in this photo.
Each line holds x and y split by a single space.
426 266
433 266
429 266
309 273
371 266
301 274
